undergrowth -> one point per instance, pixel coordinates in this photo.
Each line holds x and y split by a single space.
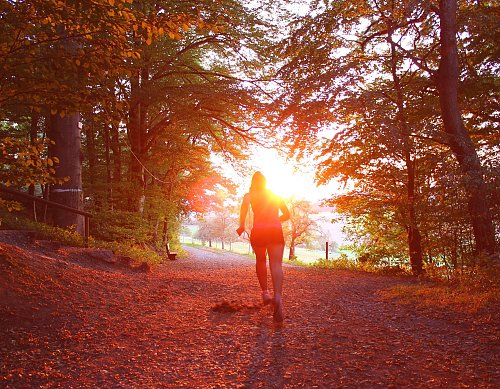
466 290
129 248
133 250
345 263
43 231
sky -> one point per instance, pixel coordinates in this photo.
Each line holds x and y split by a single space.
285 177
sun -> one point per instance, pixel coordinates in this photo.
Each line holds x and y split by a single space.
284 178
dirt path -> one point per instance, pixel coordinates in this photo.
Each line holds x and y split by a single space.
66 322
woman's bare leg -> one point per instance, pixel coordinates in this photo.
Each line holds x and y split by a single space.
260 266
275 264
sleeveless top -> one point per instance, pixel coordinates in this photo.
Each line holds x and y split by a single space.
265 207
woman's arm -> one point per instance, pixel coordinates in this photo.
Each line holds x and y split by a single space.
243 213
285 213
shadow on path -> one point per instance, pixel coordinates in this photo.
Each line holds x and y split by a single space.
269 357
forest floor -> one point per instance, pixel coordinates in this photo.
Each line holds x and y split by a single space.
69 320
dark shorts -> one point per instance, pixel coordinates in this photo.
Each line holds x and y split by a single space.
264 236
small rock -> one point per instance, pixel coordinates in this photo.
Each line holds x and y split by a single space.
123 260
48 244
102 255
144 267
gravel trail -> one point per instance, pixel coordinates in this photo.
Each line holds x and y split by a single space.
198 322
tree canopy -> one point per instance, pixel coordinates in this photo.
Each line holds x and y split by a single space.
398 100
370 82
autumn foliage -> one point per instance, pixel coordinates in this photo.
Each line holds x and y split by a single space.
395 100
150 107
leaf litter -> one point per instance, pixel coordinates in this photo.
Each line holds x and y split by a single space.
68 320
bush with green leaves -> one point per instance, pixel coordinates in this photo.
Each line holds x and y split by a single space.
24 163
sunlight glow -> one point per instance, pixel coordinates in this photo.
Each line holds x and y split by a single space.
285 178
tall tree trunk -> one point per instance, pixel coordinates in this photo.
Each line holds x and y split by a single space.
117 154
33 138
155 230
65 132
459 139
414 238
136 136
291 252
91 151
165 232
109 174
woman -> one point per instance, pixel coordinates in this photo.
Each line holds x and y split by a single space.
266 237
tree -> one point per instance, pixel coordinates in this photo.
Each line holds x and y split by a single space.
459 139
325 236
367 103
65 135
207 230
337 66
155 85
55 55
407 151
184 101
195 87
176 102
301 227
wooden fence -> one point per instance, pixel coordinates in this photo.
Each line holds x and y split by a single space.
86 215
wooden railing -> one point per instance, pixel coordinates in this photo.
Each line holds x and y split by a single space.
86 215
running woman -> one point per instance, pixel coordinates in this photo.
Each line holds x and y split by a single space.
266 237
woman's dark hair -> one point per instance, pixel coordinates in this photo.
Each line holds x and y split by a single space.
258 182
